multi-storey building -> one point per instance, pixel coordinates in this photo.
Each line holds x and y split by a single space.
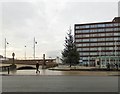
98 43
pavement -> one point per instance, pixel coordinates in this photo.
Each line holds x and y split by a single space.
59 83
54 72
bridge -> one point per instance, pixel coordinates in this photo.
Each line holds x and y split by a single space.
20 67
5 67
28 64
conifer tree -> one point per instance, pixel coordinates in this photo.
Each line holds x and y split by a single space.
70 54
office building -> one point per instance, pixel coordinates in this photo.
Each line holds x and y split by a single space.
98 43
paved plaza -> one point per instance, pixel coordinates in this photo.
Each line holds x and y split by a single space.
44 83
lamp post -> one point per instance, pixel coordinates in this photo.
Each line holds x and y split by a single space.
34 42
100 61
13 55
5 47
25 52
115 51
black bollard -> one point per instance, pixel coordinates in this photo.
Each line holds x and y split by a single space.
8 70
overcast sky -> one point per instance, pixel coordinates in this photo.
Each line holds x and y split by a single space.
48 21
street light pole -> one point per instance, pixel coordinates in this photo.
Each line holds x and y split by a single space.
115 47
25 52
34 42
100 61
115 50
5 47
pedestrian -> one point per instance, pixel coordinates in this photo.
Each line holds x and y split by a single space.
116 66
108 66
37 67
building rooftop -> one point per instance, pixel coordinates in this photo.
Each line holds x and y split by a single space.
116 19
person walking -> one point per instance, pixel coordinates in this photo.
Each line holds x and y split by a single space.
37 67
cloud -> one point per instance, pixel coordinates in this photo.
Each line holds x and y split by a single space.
48 21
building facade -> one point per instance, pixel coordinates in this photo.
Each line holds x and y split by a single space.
98 43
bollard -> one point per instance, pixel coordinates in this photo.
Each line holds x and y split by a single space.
8 70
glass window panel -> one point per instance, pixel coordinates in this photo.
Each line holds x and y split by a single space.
109 25
115 24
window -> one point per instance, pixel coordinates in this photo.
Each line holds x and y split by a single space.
109 39
93 49
109 25
101 30
101 39
77 27
109 43
85 53
93 26
78 31
111 48
86 44
116 38
116 29
109 34
85 40
103 34
93 44
85 26
86 35
116 34
101 25
109 29
93 40
93 30
78 45
115 24
85 49
93 53
79 49
78 40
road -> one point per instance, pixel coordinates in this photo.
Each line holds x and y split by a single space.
44 83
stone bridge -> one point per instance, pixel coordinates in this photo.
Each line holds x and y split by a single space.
20 66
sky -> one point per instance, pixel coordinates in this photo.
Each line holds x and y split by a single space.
48 21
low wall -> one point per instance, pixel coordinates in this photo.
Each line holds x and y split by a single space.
48 63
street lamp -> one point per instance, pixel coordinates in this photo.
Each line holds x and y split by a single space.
115 51
100 61
115 47
34 42
25 52
5 47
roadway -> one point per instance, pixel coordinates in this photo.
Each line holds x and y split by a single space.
45 83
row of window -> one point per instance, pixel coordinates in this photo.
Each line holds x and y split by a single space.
97 39
97 30
98 25
89 58
96 35
97 44
102 53
96 49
